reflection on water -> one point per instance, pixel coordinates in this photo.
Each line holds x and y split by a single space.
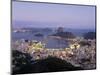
50 42
56 43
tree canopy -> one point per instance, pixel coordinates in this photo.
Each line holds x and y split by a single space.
23 64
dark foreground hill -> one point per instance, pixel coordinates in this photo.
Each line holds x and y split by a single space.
50 64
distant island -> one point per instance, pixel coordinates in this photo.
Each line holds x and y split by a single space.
32 30
63 34
39 35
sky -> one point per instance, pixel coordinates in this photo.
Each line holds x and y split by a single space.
30 14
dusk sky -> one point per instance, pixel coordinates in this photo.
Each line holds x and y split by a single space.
27 14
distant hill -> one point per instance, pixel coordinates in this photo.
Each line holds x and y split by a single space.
90 35
65 34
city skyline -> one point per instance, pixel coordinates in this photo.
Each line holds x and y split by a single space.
26 14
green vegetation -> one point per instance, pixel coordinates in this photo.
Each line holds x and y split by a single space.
22 63
19 60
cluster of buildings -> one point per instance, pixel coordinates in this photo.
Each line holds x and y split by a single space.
84 56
